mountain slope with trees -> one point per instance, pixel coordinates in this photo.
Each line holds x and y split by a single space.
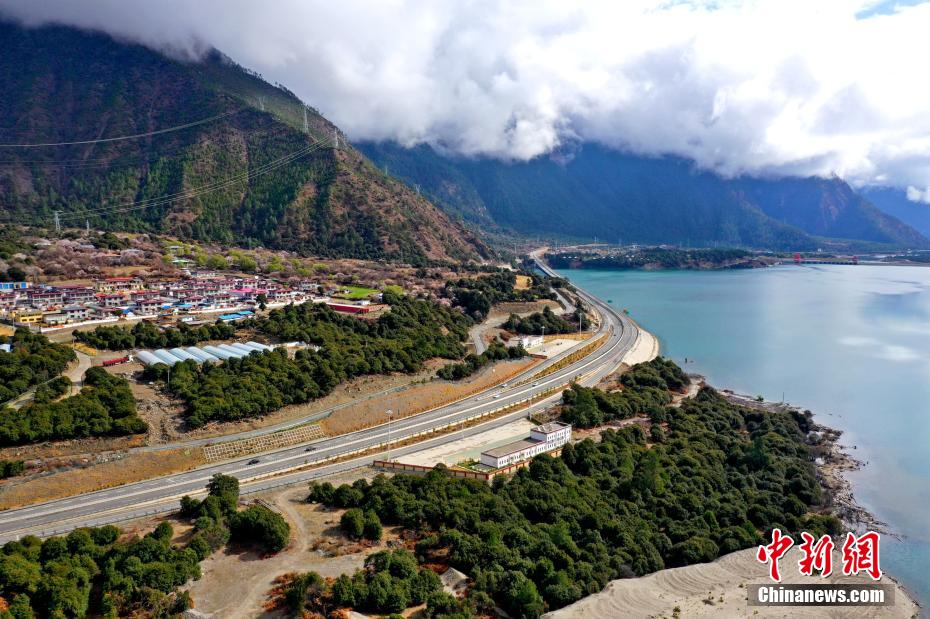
895 203
619 196
251 174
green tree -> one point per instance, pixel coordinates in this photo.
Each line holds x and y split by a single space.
259 525
372 526
226 489
352 523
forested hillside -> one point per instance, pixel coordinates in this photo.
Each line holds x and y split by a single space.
895 203
614 196
827 207
247 170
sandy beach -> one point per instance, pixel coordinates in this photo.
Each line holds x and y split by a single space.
718 589
645 349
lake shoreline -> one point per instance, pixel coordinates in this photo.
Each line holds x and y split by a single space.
708 589
833 462
832 465
722 323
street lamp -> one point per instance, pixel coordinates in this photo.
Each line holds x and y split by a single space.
390 414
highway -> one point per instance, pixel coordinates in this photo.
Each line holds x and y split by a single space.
290 465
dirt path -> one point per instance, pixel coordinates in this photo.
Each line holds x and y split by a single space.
478 334
75 374
236 585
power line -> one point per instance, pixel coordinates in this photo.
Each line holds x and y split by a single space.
241 175
130 159
125 137
192 193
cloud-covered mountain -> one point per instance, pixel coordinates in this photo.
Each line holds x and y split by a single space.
759 87
597 192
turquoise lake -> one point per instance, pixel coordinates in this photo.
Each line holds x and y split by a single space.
851 343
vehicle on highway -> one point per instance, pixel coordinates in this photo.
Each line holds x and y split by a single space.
140 498
310 449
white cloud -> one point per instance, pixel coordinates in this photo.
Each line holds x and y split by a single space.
916 195
767 86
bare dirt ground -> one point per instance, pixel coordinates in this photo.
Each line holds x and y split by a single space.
719 589
69 476
418 399
171 423
76 448
484 333
580 434
236 584
73 467
524 307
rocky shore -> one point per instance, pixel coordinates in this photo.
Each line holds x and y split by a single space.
719 588
833 462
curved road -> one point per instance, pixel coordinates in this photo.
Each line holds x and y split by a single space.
281 467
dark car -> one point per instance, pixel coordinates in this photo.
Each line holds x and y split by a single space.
310 449
254 461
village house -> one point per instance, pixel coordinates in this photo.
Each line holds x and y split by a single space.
75 313
119 284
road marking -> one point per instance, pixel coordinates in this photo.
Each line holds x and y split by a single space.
604 354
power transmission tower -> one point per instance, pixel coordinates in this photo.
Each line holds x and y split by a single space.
417 187
57 222
261 103
306 124
335 138
87 227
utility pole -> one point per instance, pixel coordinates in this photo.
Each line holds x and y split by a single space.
57 222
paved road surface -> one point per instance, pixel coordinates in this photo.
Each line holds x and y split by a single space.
74 374
278 468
